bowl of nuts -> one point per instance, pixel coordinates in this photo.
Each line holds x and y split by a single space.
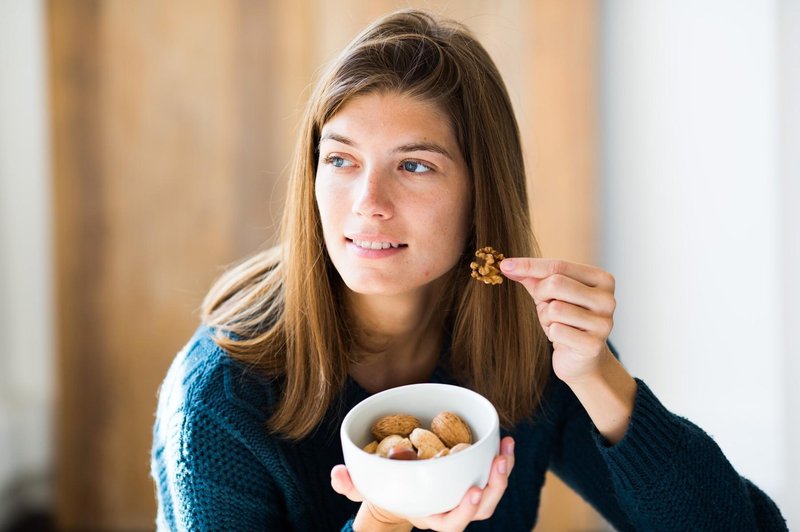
415 450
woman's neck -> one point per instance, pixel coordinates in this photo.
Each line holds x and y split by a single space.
397 338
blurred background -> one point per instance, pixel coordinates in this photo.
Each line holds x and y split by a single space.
144 144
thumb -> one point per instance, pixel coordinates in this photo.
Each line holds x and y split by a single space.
343 485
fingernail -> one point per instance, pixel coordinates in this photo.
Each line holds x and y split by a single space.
502 467
476 498
507 265
509 448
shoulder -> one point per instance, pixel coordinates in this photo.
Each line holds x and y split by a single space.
204 379
212 459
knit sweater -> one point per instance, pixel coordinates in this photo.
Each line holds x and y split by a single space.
217 468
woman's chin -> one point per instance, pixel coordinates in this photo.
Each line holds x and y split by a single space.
391 286
376 288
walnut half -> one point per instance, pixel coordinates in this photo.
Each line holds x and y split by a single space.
486 268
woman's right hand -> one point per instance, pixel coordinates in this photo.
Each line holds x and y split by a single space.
476 505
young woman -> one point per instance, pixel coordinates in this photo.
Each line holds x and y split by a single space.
408 161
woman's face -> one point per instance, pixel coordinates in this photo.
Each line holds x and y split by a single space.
393 193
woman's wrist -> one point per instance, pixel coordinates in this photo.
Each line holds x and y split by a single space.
608 396
370 518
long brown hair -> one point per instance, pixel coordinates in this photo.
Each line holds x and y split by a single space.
281 311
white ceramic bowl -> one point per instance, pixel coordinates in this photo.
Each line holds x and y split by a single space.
421 487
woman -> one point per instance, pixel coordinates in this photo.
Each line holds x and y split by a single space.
408 160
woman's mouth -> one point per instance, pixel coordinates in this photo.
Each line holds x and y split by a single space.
373 244
374 248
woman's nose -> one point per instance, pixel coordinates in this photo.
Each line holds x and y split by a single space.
372 196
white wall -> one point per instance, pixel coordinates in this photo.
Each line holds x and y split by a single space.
26 320
693 187
789 104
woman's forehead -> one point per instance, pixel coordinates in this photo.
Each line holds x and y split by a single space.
372 115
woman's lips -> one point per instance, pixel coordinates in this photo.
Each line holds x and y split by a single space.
374 248
375 244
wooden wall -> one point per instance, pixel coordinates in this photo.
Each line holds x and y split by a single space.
173 123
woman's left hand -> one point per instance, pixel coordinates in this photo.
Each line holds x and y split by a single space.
476 505
575 304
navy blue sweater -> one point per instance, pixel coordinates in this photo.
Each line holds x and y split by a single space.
216 468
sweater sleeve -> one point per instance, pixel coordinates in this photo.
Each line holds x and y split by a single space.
209 480
204 460
665 474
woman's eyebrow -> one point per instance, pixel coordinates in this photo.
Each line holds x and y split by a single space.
423 146
413 146
338 138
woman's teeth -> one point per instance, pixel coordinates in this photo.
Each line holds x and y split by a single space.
366 244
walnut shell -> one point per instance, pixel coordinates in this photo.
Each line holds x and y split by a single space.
451 429
401 424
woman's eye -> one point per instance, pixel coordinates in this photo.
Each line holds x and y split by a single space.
416 167
337 162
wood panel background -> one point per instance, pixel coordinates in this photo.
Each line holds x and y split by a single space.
173 124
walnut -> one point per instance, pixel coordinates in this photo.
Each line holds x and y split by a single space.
487 269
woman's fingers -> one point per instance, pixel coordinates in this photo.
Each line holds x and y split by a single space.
562 288
558 311
456 519
477 504
498 480
518 268
577 341
575 305
343 485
